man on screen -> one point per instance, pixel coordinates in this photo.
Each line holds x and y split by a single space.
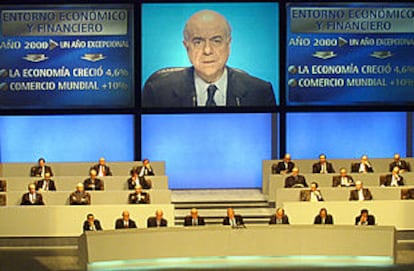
209 82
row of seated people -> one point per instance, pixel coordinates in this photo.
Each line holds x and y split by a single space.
232 219
92 224
344 179
91 183
81 197
323 166
360 193
101 168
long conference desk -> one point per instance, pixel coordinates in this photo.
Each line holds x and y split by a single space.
67 221
276 240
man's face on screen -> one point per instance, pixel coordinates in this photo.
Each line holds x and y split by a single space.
207 41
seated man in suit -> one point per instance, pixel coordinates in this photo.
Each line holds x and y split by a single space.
193 219
364 166
343 179
323 217
135 179
157 220
91 224
32 197
279 217
232 219
139 197
3 186
145 169
93 183
394 179
125 222
209 82
364 218
46 184
40 169
101 168
284 166
322 166
295 180
360 193
313 194
80 196
407 193
401 164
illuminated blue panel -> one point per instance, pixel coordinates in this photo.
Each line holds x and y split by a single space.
346 135
254 46
209 151
67 138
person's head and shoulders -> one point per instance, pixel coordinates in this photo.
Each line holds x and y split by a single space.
91 223
322 166
40 169
323 217
194 219
102 168
125 222
360 193
313 194
285 166
93 182
295 180
207 39
80 196
46 184
32 197
343 179
158 220
394 179
233 219
279 217
403 165
145 169
365 219
139 196
363 166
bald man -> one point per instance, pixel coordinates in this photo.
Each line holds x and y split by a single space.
101 168
157 221
208 82
32 197
193 219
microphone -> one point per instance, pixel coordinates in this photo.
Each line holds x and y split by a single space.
237 101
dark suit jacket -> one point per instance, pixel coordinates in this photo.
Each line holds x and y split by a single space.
402 165
106 169
285 220
388 180
133 198
3 186
292 181
152 222
336 181
96 222
83 198
354 194
239 220
98 184
175 87
371 220
328 219
146 184
305 195
316 168
119 224
36 171
277 168
39 185
26 199
355 168
188 221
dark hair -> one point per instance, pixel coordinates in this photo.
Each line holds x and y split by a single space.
41 159
88 215
364 211
323 209
315 183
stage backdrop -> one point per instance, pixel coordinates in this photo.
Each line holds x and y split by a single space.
209 151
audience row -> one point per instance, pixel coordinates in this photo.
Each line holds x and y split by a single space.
323 166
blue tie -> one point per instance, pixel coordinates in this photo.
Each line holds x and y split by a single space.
211 90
